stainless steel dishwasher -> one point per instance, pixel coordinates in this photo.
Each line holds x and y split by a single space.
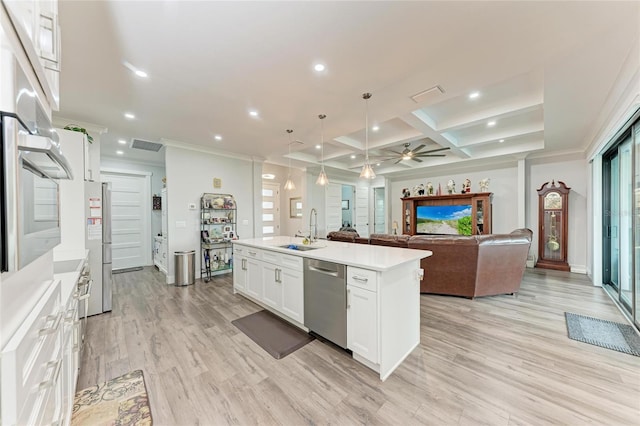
325 300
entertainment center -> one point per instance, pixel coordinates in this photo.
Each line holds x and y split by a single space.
456 214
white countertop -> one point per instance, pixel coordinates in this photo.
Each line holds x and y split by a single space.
377 258
68 272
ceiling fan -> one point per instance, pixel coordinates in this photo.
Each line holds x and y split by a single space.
414 154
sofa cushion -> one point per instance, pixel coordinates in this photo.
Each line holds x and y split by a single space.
389 240
347 236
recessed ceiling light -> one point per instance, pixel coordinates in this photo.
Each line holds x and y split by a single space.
375 128
501 140
119 152
353 156
218 137
318 146
491 123
319 67
122 142
474 95
377 164
129 116
253 113
141 73
268 176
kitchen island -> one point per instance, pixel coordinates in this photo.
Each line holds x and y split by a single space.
382 291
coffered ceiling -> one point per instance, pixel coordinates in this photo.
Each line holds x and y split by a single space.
542 72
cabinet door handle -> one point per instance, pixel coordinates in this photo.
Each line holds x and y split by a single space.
244 264
348 298
252 253
54 326
358 278
55 367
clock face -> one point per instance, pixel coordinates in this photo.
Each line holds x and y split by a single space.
553 201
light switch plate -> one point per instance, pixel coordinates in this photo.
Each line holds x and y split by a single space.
245 221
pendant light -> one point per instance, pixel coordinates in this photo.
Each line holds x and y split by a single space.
322 178
367 171
289 185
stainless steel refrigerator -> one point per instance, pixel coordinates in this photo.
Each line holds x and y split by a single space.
98 242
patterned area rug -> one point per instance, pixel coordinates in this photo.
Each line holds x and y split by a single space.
606 334
121 401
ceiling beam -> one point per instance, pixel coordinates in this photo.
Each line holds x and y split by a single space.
420 121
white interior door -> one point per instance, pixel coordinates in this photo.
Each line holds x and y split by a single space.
333 205
270 209
362 211
379 222
130 218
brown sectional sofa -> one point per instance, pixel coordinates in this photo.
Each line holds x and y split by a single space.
479 265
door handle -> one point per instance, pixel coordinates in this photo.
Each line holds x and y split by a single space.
348 298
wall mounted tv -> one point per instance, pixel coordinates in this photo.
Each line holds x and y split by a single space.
454 220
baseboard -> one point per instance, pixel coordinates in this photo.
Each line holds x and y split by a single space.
579 269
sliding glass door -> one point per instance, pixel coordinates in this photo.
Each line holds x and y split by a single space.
621 196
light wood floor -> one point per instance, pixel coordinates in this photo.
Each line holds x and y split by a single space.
499 360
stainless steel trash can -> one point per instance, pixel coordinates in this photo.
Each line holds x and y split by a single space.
185 262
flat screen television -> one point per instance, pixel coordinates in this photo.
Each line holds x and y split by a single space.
449 220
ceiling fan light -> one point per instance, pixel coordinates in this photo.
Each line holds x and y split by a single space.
322 178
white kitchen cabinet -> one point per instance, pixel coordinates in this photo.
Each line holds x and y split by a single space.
255 287
292 293
160 253
31 363
272 287
271 278
362 322
36 23
239 269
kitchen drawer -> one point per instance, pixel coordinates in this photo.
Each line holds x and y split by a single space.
254 253
291 262
30 360
272 257
363 278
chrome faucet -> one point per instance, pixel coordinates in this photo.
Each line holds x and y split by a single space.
313 214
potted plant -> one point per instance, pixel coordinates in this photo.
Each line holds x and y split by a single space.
75 128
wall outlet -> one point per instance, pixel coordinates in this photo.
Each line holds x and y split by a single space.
192 206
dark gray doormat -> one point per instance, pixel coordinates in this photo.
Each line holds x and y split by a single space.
272 333
122 271
606 334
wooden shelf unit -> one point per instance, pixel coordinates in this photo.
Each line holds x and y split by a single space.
480 203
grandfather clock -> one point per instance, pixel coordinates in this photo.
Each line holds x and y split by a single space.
553 206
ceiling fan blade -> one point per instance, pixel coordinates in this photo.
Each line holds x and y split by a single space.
434 150
406 149
416 159
417 150
398 161
392 151
430 155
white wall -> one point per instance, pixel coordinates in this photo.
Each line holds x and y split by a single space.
574 174
157 173
189 175
504 186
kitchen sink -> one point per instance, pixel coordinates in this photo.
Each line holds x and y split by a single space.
299 247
